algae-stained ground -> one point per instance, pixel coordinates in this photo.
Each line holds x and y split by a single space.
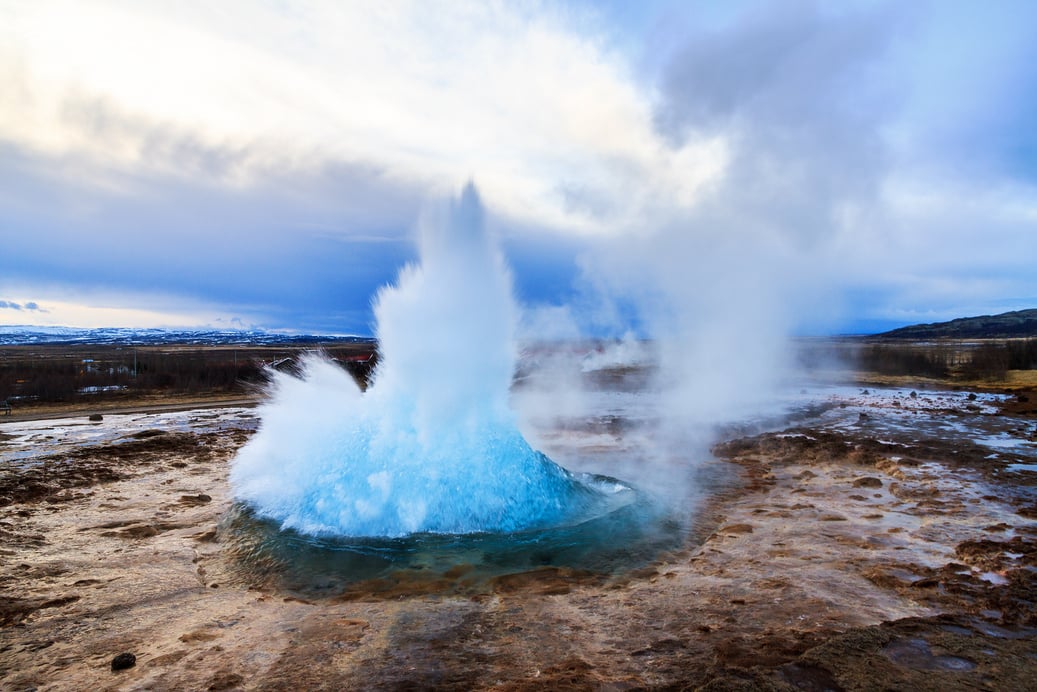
882 539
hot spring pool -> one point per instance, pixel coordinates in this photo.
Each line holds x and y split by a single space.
625 532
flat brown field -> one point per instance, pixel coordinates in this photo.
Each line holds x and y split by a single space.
1014 380
51 380
846 558
143 403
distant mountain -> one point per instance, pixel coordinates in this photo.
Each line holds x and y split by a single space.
24 335
1020 323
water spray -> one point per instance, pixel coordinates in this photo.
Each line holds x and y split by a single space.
431 446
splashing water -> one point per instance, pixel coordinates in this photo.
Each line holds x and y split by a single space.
432 445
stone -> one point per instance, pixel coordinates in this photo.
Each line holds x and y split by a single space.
123 661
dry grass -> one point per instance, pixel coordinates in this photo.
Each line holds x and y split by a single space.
129 404
1013 380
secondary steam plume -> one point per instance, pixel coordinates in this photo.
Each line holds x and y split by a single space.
432 445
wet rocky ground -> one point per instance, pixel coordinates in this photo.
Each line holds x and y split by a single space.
882 539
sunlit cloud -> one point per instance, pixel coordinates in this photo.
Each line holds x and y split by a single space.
549 120
87 315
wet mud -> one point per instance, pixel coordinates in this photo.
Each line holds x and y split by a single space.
879 541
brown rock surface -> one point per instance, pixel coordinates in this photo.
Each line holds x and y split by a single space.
805 578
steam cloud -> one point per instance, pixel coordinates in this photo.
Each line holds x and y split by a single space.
720 287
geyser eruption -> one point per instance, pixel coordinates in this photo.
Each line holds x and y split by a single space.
432 445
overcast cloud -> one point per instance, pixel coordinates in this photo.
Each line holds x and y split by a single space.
797 166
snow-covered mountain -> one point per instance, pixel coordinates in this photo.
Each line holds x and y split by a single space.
23 334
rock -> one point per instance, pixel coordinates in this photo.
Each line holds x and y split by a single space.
867 482
225 680
547 581
206 536
95 417
806 676
123 661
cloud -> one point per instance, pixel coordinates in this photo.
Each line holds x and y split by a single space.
834 186
795 91
548 119
972 91
31 306
721 285
254 158
90 308
163 151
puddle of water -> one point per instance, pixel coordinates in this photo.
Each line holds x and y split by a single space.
917 655
1004 441
993 578
992 630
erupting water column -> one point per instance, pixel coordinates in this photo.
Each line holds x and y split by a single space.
432 445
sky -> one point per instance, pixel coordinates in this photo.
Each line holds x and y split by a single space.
657 167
